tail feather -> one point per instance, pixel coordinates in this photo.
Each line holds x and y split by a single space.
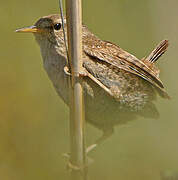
153 57
158 51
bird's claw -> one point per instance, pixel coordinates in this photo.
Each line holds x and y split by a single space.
66 71
82 73
70 166
73 167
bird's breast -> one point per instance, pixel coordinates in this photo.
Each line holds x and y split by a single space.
54 64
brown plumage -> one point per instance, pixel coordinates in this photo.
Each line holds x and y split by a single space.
119 87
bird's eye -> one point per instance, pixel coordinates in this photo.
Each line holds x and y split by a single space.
57 26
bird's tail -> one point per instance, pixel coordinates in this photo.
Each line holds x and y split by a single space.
160 49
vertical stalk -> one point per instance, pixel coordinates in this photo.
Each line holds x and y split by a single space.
74 34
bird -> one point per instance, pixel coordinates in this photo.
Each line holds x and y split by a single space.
118 87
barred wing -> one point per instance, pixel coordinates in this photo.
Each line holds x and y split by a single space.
112 54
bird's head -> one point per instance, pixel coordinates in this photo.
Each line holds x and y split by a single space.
47 29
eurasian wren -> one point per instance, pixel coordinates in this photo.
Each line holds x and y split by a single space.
119 87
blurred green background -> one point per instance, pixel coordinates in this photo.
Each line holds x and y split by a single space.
34 127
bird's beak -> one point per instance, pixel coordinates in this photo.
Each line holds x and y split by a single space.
31 29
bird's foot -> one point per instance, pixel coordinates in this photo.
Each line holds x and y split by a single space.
73 167
90 148
106 134
66 71
82 73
